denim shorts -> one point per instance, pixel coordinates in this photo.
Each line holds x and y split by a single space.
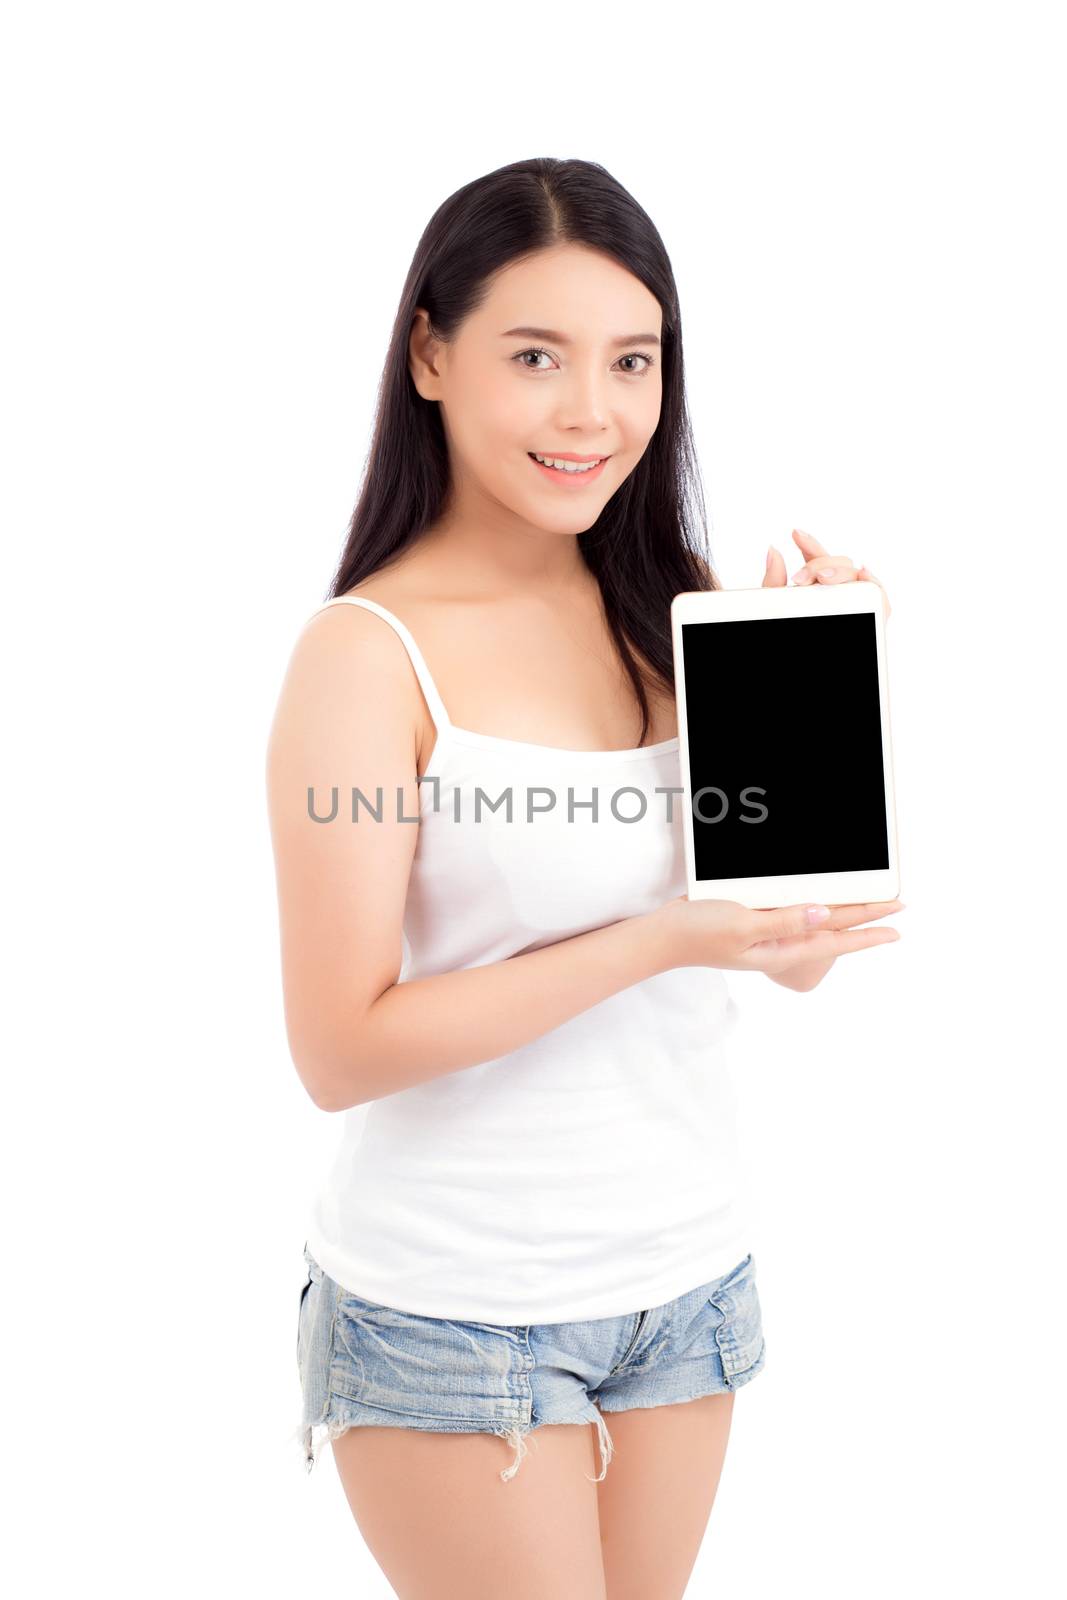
363 1364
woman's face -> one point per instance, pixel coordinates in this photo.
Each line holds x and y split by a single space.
587 384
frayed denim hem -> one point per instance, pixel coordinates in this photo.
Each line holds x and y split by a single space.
311 1437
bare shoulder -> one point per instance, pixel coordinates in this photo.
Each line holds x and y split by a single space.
356 634
349 678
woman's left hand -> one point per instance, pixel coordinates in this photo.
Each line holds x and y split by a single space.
807 971
819 567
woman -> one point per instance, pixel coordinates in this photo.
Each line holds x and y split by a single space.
533 1218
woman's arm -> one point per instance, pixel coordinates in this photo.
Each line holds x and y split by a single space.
426 1027
348 716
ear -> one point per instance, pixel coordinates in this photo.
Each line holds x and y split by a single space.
423 351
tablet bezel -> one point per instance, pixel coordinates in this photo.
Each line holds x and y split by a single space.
818 599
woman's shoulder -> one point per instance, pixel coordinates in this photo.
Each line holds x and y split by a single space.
353 637
348 678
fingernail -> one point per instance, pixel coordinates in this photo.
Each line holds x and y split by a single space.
826 572
803 576
818 913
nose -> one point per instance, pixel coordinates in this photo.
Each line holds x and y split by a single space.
582 403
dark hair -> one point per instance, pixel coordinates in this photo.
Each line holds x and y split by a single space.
650 541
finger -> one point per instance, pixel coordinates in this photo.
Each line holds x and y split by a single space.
826 569
774 574
809 546
773 955
838 570
849 916
847 942
784 922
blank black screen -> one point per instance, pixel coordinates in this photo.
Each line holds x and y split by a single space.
789 706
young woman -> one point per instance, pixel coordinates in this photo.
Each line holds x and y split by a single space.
533 1218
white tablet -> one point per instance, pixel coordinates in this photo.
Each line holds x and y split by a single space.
783 726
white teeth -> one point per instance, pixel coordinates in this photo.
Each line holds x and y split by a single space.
566 466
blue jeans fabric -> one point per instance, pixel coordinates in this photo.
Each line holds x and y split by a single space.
361 1363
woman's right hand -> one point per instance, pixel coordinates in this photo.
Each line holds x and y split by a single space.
724 933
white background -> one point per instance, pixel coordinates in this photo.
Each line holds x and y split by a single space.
210 210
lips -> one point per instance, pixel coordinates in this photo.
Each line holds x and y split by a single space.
569 455
568 480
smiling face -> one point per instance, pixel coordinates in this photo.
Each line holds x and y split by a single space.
561 358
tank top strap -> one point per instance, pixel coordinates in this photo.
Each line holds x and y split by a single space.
422 672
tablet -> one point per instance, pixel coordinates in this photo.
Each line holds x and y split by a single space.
784 741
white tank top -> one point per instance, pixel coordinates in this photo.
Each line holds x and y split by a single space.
592 1172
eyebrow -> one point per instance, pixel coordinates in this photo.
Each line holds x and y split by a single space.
561 338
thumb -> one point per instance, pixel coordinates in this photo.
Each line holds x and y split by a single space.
786 921
774 574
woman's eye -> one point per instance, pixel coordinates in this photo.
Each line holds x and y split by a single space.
634 355
532 353
637 356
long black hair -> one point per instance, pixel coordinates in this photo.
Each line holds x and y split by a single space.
650 541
